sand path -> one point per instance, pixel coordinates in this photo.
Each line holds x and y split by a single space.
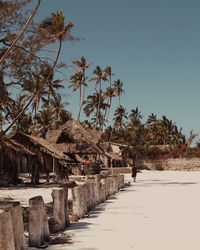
160 211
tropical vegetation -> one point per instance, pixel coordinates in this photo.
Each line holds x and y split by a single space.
31 88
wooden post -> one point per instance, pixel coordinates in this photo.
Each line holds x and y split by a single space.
59 212
78 201
18 226
97 179
6 231
14 208
38 223
67 220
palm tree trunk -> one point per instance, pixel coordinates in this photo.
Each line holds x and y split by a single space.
83 97
36 94
98 108
79 109
21 33
110 100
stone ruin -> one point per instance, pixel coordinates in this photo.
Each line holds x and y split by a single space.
42 223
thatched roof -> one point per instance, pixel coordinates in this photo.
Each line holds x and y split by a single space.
73 138
15 146
113 156
75 148
44 146
72 132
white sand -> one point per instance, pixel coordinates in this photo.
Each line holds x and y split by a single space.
161 211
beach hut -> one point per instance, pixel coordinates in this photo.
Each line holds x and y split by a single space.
48 158
113 154
78 143
12 155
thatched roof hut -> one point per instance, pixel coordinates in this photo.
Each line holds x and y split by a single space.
36 144
11 155
72 138
49 158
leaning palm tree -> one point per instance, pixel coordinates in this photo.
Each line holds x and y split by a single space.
82 66
100 76
51 30
118 85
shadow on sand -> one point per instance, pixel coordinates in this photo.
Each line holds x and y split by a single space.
165 183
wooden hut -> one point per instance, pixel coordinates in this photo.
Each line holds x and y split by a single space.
78 143
12 155
48 158
112 157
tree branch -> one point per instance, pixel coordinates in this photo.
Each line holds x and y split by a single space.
21 34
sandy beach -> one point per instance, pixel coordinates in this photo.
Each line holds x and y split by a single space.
159 211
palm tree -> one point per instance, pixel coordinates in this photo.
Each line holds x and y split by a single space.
110 91
5 101
118 85
59 111
45 120
135 117
120 116
152 119
82 66
93 104
101 76
108 94
50 30
76 81
24 122
191 137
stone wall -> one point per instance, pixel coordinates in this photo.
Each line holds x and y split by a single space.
170 164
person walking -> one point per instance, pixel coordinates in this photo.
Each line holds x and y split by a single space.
134 172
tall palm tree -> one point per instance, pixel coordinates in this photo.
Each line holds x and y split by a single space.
108 94
110 90
82 66
76 81
118 85
100 76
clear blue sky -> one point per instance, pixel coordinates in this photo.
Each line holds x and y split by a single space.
152 45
